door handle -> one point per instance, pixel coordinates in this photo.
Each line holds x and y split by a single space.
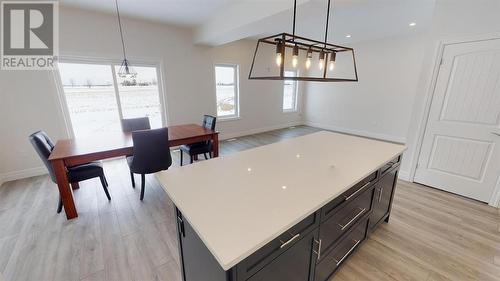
319 249
496 134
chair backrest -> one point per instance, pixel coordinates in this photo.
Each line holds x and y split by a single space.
43 146
209 122
151 151
135 124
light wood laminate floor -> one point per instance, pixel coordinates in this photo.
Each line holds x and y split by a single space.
432 235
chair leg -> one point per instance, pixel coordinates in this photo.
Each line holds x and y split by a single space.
181 155
191 156
60 205
205 154
104 186
143 184
132 179
75 185
106 181
210 154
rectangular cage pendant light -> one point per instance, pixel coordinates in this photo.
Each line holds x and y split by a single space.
290 57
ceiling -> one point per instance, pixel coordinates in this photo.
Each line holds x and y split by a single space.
221 21
179 12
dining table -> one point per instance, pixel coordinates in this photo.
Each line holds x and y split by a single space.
100 146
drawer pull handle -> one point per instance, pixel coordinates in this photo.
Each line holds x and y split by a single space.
357 191
289 241
342 227
345 256
319 249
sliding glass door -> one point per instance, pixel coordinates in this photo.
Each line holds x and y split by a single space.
97 98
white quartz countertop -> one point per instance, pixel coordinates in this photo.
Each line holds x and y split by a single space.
240 202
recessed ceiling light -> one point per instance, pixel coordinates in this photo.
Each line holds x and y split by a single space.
284 187
348 36
412 24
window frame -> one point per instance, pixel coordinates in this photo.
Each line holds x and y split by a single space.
66 118
295 93
236 115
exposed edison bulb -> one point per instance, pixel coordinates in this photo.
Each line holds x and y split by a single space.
295 56
278 59
308 63
321 64
331 65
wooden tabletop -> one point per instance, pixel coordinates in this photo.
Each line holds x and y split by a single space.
118 141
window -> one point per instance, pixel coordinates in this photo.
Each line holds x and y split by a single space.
226 87
290 93
97 98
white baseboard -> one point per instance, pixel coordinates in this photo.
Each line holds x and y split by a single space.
404 175
372 135
21 174
225 136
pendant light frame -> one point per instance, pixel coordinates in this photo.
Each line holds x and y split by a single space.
285 40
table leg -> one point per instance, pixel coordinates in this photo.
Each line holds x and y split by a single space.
64 189
215 145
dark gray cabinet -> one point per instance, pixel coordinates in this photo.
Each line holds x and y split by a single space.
313 249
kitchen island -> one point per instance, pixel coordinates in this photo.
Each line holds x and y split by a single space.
292 210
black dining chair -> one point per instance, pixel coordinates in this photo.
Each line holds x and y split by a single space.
44 146
134 124
204 147
151 153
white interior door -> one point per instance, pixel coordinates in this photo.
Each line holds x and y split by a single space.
460 150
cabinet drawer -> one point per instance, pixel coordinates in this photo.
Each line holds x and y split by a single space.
340 223
333 259
337 203
273 249
389 166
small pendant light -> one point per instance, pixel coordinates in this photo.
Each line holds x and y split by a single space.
309 58
126 70
279 56
295 56
331 65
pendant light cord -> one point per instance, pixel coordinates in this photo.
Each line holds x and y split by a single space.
327 20
294 15
120 26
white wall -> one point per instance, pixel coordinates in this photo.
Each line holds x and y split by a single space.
395 78
29 98
379 105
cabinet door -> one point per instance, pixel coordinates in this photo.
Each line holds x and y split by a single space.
198 264
382 197
296 264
